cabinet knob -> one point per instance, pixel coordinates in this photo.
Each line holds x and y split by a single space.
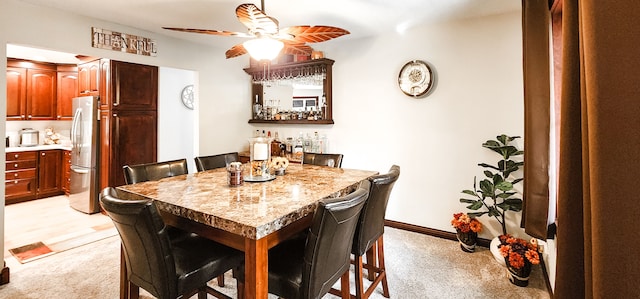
43 154
15 165
29 116
16 156
15 175
15 182
22 116
115 104
59 116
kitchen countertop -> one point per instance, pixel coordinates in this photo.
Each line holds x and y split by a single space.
41 147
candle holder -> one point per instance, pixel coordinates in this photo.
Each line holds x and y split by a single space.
259 162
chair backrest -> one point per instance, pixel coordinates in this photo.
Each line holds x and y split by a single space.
216 161
371 222
147 249
328 249
154 171
332 160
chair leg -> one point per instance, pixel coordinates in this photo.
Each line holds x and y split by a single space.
240 289
134 291
221 280
344 286
202 293
359 277
382 269
371 263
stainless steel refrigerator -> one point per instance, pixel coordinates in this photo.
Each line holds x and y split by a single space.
85 155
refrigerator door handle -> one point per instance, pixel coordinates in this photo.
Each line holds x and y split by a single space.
79 169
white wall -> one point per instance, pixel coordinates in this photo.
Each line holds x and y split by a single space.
436 140
177 125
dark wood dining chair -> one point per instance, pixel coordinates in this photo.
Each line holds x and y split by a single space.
163 266
331 160
368 238
154 171
215 161
302 268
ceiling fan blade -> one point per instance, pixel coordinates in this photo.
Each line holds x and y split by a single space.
211 32
236 51
292 48
256 20
312 34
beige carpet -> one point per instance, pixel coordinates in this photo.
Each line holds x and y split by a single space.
418 266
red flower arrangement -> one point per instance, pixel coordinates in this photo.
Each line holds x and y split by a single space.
518 251
464 223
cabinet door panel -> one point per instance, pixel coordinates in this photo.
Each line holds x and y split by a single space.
67 90
19 190
16 93
134 86
133 141
41 94
49 170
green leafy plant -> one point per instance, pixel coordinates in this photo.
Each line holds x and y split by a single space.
495 195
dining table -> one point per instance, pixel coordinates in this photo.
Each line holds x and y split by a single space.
252 217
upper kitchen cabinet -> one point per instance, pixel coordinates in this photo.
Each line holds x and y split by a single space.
134 86
16 93
31 90
88 78
67 90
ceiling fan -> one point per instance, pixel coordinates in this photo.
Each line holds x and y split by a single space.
265 33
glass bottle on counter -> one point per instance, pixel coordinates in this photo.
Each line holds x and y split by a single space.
257 109
298 147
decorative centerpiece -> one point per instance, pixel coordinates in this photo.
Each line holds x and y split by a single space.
519 255
260 160
279 165
467 229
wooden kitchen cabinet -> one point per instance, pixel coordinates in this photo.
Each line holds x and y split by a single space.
128 118
88 78
41 94
67 90
21 176
49 169
66 172
31 90
16 93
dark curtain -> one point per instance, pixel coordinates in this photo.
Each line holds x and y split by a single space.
535 47
598 203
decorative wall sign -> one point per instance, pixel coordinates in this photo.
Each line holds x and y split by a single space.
187 96
122 42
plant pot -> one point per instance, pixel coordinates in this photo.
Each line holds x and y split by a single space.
493 247
467 240
519 277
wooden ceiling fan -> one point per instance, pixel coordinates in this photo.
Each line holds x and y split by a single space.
262 26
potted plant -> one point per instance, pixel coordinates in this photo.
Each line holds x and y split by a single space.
495 194
467 230
519 255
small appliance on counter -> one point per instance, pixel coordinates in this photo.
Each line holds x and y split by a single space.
29 137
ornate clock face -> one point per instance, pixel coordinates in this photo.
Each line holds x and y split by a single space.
187 96
416 78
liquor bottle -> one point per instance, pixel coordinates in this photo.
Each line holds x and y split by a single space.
257 109
299 147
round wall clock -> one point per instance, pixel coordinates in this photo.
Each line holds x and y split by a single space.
187 96
416 78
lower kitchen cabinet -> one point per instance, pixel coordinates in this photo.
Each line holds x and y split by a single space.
32 175
49 170
21 179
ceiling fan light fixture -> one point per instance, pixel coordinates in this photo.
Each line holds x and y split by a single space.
263 48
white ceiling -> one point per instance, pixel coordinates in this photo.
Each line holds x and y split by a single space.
361 17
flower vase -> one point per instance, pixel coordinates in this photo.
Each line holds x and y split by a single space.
467 240
519 277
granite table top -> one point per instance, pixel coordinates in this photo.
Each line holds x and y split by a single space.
253 209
